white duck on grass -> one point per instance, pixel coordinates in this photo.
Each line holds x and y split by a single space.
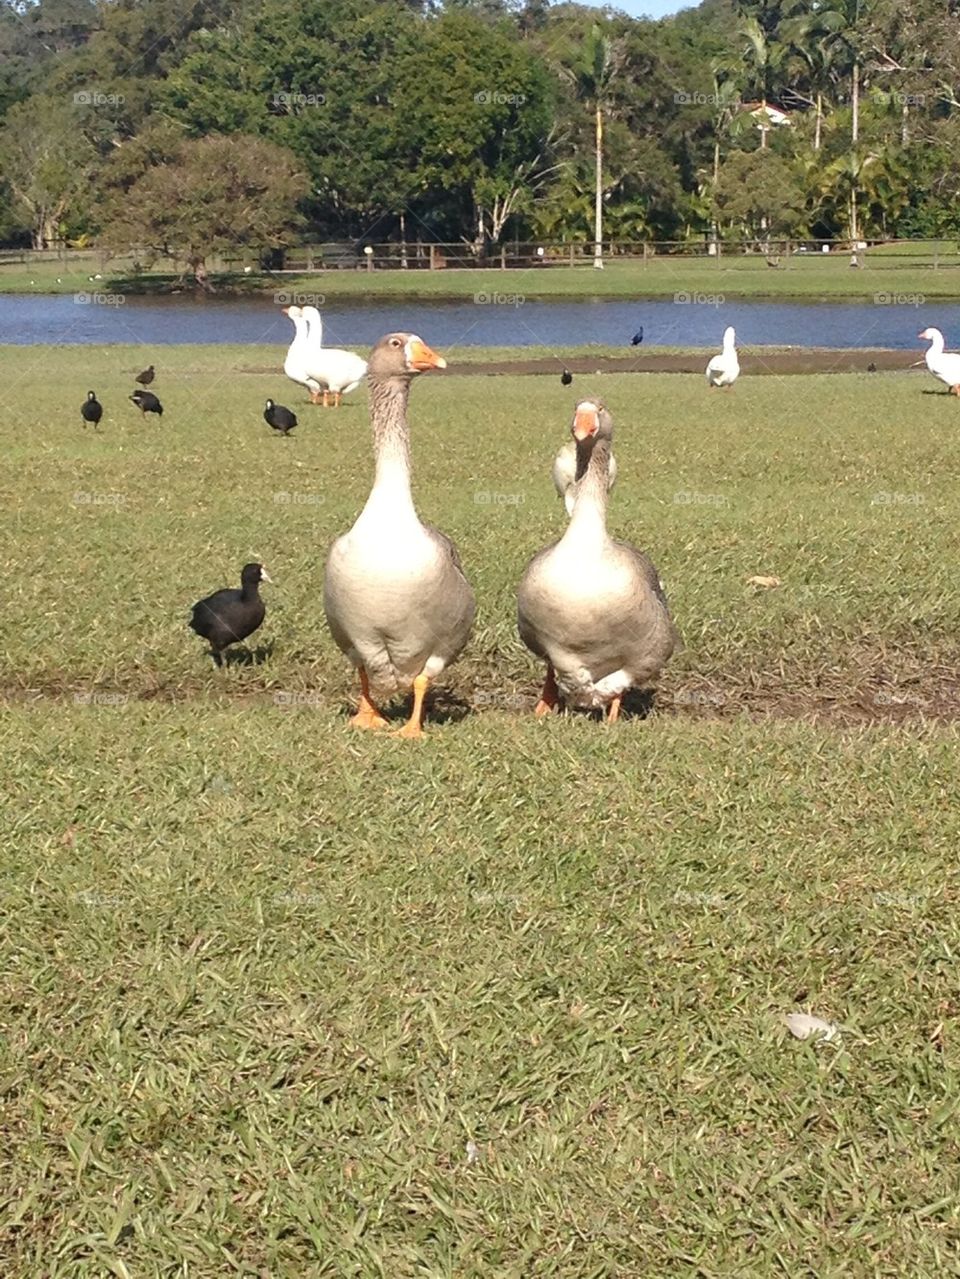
724 369
944 365
338 372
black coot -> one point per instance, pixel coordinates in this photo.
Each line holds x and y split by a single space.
637 337
229 616
280 418
566 377
91 410
146 377
147 402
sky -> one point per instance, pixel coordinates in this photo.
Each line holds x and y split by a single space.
644 8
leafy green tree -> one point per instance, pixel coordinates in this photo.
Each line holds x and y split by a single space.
758 193
213 195
47 162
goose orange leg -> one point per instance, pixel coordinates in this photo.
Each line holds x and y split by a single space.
414 725
367 716
549 694
613 713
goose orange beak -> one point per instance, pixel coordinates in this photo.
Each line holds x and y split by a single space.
420 357
586 421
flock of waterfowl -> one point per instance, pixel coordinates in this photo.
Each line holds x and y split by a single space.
396 597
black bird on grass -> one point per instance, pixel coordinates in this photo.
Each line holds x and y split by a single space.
566 377
280 418
147 402
146 377
91 410
229 616
637 337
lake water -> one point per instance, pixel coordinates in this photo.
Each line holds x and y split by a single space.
28 320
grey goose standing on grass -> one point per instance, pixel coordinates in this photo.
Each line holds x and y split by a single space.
592 607
396 598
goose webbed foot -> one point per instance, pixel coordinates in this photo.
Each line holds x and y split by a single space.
613 711
368 715
549 695
414 725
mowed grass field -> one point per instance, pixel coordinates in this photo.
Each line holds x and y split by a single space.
888 274
285 1000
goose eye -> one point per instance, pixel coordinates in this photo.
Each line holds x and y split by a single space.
394 341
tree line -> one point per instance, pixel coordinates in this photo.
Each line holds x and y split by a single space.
184 127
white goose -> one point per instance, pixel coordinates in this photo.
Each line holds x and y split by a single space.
338 372
724 369
593 608
295 364
565 474
944 365
396 598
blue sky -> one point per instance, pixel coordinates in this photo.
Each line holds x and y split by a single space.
645 8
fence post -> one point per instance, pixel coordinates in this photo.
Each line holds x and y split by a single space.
433 264
573 255
503 258
646 252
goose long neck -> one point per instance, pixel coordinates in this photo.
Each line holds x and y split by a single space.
936 344
391 434
590 511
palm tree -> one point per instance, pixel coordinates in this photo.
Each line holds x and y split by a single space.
811 35
763 57
594 76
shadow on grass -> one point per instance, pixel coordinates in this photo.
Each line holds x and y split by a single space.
243 656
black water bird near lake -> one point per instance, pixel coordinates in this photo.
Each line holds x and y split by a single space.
279 417
227 617
637 337
566 377
146 377
147 402
91 410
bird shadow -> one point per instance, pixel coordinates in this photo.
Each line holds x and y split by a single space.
938 393
243 656
442 707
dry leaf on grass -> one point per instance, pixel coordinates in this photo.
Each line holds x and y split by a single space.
767 583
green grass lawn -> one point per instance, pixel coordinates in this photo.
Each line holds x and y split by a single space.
901 272
285 1000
